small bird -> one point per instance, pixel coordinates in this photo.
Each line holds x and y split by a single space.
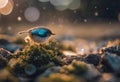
37 34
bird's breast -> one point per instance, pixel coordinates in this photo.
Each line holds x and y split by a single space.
38 38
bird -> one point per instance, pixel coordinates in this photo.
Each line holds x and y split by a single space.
37 34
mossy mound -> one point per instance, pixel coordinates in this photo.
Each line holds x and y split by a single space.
60 78
76 67
3 62
5 76
35 59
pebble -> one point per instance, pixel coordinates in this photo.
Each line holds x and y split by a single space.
6 54
93 59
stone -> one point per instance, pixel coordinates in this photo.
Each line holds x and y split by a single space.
6 54
108 77
51 70
92 72
93 59
112 61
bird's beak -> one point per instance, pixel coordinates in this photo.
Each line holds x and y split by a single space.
52 34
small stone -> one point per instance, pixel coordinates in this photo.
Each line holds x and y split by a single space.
68 59
12 47
3 42
108 77
93 59
113 50
6 54
112 61
51 70
92 72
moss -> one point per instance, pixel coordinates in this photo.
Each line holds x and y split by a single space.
76 67
67 47
5 76
113 43
60 78
3 62
41 56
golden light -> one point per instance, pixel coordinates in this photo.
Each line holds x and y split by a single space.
96 13
7 9
3 3
69 53
19 18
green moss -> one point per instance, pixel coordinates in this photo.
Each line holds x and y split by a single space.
60 78
3 62
67 47
41 56
5 76
76 67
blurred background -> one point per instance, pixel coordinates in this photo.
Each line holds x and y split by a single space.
78 18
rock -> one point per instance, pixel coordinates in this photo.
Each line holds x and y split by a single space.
108 77
93 59
113 50
112 61
69 59
51 70
92 72
9 45
12 47
6 54
4 42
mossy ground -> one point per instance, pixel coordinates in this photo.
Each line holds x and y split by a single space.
33 60
42 56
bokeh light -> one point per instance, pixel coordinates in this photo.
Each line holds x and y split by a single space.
85 20
3 3
19 18
9 28
7 9
32 14
75 4
60 2
61 8
44 0
96 13
62 5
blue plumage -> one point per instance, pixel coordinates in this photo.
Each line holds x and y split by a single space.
41 32
38 34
